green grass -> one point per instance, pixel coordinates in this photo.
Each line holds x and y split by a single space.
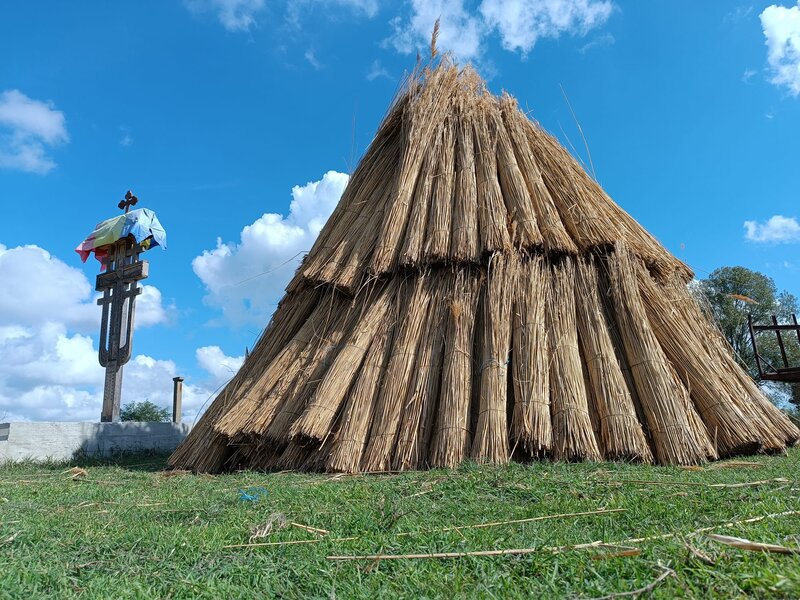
127 531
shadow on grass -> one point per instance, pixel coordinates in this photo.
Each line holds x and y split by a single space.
145 461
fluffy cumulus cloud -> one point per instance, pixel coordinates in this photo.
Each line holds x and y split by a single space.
234 15
217 364
782 32
460 31
29 129
246 279
521 23
518 23
48 360
776 230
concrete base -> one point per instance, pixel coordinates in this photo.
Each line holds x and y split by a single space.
64 441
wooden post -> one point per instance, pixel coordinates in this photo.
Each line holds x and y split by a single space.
177 399
119 286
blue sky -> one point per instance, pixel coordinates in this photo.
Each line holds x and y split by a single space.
238 120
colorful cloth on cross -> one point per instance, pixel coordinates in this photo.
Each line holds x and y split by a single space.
141 223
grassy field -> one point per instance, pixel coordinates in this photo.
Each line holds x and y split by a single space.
126 529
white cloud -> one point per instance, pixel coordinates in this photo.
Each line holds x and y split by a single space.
738 14
295 8
28 129
312 59
519 24
522 22
49 367
599 41
247 279
235 15
748 75
215 362
377 70
460 32
782 32
127 139
38 288
777 229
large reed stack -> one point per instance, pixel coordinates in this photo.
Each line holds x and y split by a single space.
476 294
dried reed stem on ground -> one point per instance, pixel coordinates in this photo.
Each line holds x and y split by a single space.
451 435
492 216
423 393
317 418
440 215
619 433
675 442
491 432
573 436
351 439
531 426
399 372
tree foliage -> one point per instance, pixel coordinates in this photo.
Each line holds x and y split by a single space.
733 293
144 411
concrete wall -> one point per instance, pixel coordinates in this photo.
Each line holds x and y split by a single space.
63 441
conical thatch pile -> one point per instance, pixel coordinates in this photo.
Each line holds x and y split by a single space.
476 295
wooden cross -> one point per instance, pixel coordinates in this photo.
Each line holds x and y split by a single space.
128 201
119 286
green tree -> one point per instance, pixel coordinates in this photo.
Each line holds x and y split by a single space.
733 293
144 411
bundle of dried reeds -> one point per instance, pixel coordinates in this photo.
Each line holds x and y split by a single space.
451 435
440 216
399 372
351 439
421 120
421 402
317 418
675 440
531 427
620 434
464 237
492 216
678 335
555 237
414 239
573 436
491 430
514 190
